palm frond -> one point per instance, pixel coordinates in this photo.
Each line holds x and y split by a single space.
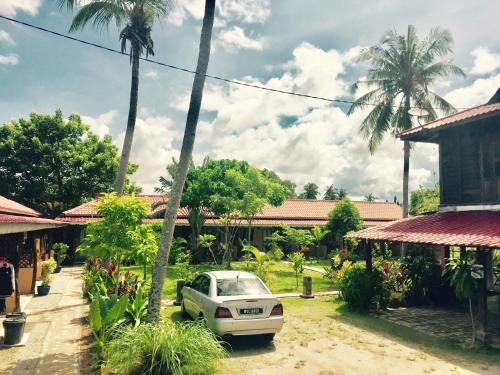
100 13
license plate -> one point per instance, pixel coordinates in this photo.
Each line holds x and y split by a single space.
252 311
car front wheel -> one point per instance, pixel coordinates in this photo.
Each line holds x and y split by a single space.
183 311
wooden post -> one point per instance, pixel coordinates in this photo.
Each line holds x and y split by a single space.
307 291
482 299
369 264
178 296
16 280
29 242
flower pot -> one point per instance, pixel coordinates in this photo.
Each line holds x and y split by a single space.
17 315
13 330
42 290
58 269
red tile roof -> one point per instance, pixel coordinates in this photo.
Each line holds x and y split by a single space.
469 228
27 219
295 212
459 118
8 206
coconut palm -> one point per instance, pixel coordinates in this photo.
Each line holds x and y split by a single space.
402 70
161 263
135 18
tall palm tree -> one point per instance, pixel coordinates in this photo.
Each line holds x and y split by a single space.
161 263
135 18
402 70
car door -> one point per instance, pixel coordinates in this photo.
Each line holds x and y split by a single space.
189 297
200 295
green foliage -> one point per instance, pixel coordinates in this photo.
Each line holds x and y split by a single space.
177 349
185 270
459 273
51 164
421 274
332 193
137 308
363 289
344 218
60 251
424 200
318 233
206 241
351 242
261 266
370 197
311 191
297 258
48 266
144 246
297 238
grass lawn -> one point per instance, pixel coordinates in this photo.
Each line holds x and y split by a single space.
282 277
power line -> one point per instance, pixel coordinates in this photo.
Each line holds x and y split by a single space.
227 80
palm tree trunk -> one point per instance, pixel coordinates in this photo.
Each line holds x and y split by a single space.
132 114
161 263
406 177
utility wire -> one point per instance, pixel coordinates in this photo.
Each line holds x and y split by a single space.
189 70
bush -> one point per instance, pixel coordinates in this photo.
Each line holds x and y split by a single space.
48 266
60 251
363 289
177 349
421 275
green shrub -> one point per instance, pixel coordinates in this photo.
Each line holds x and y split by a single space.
297 259
177 349
60 251
48 266
363 289
421 275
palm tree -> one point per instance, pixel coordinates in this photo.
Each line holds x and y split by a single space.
402 69
370 197
310 191
135 18
161 263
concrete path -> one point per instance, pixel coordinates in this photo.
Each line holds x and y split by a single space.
54 328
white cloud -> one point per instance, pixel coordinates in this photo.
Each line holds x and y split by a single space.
100 125
152 149
478 92
153 74
10 8
9 59
248 11
235 38
317 142
484 61
6 38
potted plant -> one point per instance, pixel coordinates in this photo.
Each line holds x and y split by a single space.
48 266
60 254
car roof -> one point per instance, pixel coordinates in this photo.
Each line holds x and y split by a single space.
231 274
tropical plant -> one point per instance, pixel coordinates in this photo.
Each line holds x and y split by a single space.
60 251
370 197
310 191
344 218
403 69
318 233
160 268
299 239
185 270
135 18
105 316
332 193
167 348
48 266
420 275
207 241
145 247
261 268
272 244
424 200
297 259
460 275
136 310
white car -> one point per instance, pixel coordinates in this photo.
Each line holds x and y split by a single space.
233 303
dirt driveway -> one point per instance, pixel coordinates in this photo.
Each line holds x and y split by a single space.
316 340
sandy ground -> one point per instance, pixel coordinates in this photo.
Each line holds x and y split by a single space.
326 346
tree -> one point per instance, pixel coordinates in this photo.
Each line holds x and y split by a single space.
344 218
136 18
299 239
297 259
120 233
310 191
290 189
332 193
161 263
370 197
207 241
318 233
424 200
403 68
51 164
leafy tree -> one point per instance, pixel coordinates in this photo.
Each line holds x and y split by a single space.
52 165
460 275
120 233
290 189
145 247
424 200
318 233
403 69
160 268
297 259
310 191
344 218
370 197
207 241
135 18
332 193
299 239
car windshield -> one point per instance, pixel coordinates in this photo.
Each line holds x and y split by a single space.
239 287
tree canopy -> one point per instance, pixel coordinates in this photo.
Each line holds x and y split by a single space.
51 164
311 191
424 200
344 218
333 193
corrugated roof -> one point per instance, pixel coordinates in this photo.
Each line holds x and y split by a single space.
295 212
469 228
8 206
475 113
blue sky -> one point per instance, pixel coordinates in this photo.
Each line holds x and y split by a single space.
305 46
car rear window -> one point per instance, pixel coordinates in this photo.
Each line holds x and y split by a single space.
239 287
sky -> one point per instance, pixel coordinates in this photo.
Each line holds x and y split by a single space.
295 45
